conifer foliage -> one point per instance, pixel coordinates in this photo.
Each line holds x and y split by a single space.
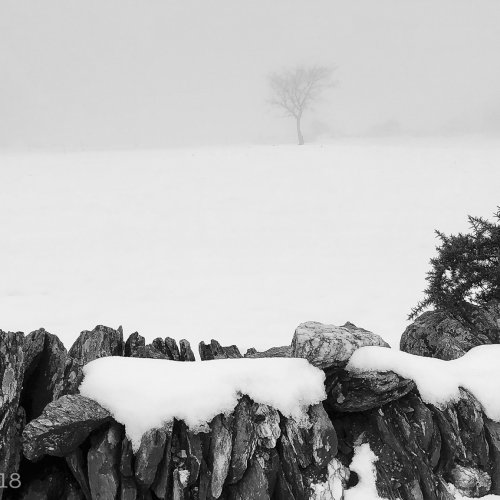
466 269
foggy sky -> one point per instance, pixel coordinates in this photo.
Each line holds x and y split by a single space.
111 74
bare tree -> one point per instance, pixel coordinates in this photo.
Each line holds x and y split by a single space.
295 90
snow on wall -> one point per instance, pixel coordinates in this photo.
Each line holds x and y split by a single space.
438 381
143 394
363 463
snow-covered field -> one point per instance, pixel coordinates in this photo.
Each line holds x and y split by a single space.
241 244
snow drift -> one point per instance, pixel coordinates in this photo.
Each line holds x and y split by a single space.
144 394
438 381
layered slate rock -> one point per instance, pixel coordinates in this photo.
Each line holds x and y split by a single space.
273 352
62 426
11 417
437 334
186 353
329 346
100 342
215 351
353 392
45 359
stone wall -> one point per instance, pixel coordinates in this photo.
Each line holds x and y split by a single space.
66 446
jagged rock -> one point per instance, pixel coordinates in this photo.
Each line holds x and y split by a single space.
11 381
328 346
273 352
128 489
152 352
186 353
470 421
215 351
333 486
171 349
47 482
180 481
469 481
134 345
103 463
352 392
220 452
436 334
192 443
62 426
244 441
161 484
267 425
150 454
291 469
77 465
493 437
232 351
323 437
452 447
300 440
45 358
260 478
102 341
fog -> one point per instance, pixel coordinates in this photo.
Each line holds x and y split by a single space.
125 74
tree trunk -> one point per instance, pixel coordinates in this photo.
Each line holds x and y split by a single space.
299 132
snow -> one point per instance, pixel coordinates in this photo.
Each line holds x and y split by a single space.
438 381
458 496
143 394
240 244
363 463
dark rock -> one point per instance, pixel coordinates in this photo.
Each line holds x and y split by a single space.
437 334
244 441
171 349
77 465
211 351
452 448
126 458
98 343
273 352
179 484
469 481
259 481
330 346
11 381
267 425
62 426
150 454
352 392
323 437
103 463
49 481
192 443
220 452
470 421
291 469
493 437
134 345
300 441
45 359
162 483
150 351
232 352
186 353
128 489
215 351
159 345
